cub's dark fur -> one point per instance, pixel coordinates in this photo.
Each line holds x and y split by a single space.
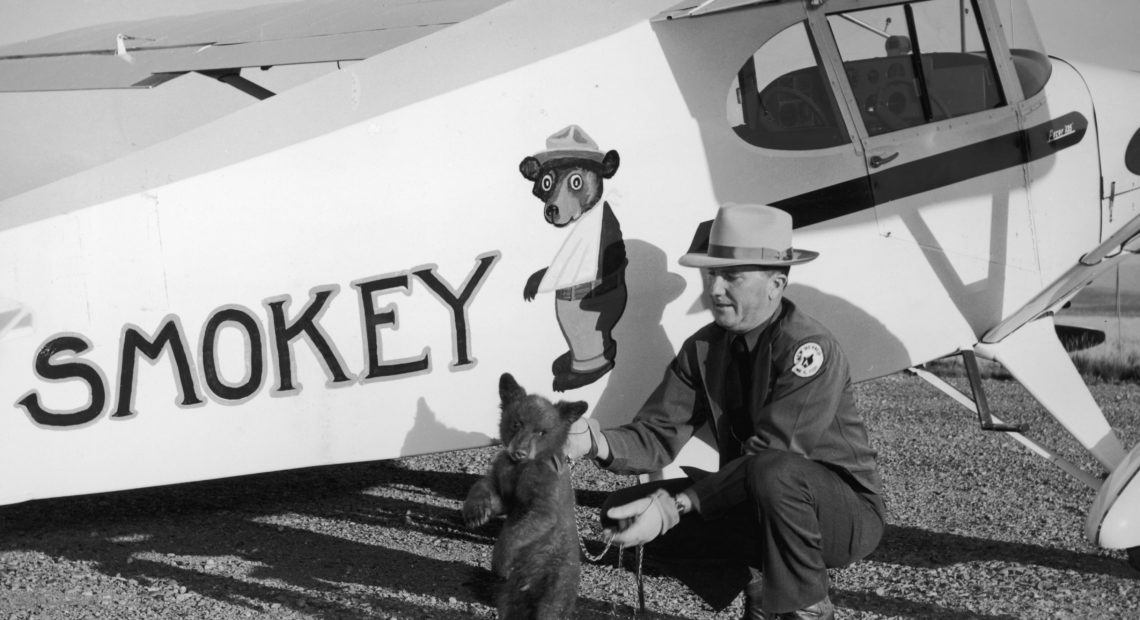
536 555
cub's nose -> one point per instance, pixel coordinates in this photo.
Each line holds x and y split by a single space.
551 213
518 455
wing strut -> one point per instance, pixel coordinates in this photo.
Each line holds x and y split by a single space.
978 404
990 422
986 419
233 78
1034 356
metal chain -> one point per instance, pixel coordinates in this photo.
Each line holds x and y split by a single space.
621 552
582 540
593 558
640 580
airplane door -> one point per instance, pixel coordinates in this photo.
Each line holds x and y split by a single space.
790 143
943 151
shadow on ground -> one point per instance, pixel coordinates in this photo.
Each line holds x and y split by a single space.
261 520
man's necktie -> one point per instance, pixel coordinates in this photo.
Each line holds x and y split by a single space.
738 390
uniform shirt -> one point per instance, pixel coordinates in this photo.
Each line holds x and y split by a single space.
802 403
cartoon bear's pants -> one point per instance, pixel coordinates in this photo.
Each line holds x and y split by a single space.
588 324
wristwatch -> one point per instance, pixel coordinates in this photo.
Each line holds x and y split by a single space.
682 503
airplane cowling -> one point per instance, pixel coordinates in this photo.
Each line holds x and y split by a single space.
1114 521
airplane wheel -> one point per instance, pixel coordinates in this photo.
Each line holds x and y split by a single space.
1134 557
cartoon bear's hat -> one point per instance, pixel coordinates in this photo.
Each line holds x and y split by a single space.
570 143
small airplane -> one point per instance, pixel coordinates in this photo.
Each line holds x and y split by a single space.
341 271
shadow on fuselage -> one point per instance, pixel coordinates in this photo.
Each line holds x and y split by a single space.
871 349
644 350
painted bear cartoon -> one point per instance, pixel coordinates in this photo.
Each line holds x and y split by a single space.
587 275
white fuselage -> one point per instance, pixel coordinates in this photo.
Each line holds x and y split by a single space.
352 195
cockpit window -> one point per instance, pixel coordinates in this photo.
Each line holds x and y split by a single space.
1029 59
772 107
916 63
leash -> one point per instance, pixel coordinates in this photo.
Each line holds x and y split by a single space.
639 554
638 575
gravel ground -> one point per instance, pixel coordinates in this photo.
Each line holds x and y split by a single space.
978 528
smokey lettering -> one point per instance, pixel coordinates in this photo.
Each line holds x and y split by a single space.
61 357
375 319
457 304
306 325
135 342
255 361
55 371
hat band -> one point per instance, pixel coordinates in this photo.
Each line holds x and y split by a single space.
737 253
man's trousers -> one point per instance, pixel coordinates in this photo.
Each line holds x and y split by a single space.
795 518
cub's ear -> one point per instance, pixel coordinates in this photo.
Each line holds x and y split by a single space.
572 411
529 167
610 164
509 389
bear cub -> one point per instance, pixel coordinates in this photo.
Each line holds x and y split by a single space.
536 556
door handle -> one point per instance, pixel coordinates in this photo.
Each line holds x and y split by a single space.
878 160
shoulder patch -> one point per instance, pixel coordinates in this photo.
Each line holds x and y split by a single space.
808 360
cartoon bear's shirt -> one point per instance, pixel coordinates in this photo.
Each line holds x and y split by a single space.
577 261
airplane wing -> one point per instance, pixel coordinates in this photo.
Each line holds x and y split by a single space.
696 8
147 53
1121 244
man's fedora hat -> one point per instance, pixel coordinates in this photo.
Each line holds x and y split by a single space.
749 235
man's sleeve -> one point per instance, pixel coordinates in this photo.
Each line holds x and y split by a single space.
662 426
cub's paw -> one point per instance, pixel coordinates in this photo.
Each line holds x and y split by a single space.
479 507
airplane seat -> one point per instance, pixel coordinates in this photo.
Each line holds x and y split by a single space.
960 83
792 112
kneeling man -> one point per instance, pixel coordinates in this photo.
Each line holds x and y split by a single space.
798 490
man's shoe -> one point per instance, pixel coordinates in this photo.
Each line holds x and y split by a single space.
822 610
752 609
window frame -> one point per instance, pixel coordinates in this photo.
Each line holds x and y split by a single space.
993 41
834 102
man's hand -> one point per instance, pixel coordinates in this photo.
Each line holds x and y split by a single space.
585 439
752 445
641 521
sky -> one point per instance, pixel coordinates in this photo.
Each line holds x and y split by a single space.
46 136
